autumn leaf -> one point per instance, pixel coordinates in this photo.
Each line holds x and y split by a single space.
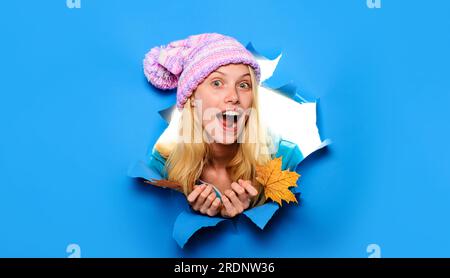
276 182
164 183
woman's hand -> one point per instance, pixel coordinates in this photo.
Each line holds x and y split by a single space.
236 200
203 199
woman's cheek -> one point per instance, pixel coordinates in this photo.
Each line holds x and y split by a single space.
209 118
246 100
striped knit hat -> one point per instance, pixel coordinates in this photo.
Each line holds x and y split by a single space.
184 64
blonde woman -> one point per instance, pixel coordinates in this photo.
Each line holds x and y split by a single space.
215 142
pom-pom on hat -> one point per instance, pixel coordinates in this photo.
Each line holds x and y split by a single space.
184 64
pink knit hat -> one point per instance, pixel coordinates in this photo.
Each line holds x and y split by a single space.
184 64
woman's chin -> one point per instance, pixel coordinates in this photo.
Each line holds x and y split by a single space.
226 139
225 136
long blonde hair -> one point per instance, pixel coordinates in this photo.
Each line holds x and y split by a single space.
186 159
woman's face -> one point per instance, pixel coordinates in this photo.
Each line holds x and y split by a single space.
223 102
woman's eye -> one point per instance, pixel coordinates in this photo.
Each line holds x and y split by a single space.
217 83
244 85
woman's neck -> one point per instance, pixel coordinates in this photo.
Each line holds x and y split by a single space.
222 154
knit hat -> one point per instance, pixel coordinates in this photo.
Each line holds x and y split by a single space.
184 64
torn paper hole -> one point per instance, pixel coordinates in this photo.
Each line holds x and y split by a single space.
292 122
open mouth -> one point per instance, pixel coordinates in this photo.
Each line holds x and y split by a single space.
229 120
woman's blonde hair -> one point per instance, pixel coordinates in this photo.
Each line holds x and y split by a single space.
187 157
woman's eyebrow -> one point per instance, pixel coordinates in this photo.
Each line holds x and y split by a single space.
218 71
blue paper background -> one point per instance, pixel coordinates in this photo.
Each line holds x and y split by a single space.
76 111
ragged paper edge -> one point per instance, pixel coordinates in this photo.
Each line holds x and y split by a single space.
182 232
184 229
260 215
270 208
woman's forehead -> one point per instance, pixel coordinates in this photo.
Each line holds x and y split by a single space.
233 70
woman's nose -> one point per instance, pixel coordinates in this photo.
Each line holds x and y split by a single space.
232 96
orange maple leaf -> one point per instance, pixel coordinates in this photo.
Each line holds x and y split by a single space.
277 182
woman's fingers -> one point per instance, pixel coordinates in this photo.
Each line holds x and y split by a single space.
208 201
237 204
214 208
195 193
240 191
247 185
204 194
202 197
242 194
229 208
235 201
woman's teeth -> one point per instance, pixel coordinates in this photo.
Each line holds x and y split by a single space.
230 113
229 118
